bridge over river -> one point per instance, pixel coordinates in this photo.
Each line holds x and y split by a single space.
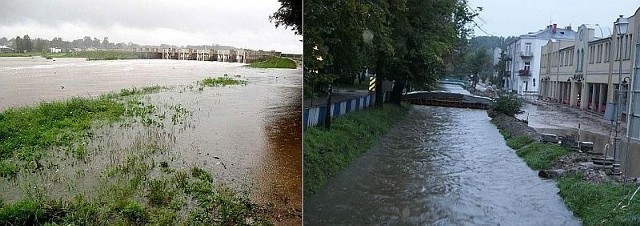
454 96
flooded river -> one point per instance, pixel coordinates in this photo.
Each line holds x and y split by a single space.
246 136
442 166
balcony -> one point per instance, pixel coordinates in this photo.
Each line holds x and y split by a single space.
524 73
525 54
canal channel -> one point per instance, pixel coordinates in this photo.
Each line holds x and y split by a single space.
440 166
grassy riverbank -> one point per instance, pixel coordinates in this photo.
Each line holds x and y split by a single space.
274 62
601 204
21 54
57 145
537 155
608 203
327 152
89 55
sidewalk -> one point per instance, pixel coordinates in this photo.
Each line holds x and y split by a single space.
596 118
338 95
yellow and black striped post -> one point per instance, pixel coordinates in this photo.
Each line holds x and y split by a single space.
372 84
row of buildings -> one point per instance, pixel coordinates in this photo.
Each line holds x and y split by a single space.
583 68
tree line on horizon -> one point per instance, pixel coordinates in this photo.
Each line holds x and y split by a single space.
27 44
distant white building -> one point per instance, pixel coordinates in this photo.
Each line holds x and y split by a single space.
522 72
6 49
55 50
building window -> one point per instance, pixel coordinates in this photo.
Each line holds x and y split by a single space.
571 58
534 82
604 52
630 45
527 65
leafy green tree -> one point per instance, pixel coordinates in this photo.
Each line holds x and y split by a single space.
499 68
508 104
481 65
18 44
42 45
289 15
105 43
27 45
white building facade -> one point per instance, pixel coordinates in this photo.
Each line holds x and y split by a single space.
522 72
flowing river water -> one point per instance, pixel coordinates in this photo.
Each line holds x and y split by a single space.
441 166
246 136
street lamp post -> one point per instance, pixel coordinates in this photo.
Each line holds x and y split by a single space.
621 26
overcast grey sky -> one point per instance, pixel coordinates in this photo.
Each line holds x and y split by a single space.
517 17
239 23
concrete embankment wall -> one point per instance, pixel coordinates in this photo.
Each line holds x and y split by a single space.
314 116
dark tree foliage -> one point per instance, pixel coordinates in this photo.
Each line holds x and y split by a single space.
289 15
405 41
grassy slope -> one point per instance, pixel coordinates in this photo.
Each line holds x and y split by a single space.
274 62
327 152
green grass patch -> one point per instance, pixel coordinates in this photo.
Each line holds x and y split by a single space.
20 54
221 81
274 62
519 142
28 133
537 155
601 204
8 168
327 152
140 91
540 156
105 55
133 202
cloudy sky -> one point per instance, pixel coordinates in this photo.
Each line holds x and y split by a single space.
239 23
516 17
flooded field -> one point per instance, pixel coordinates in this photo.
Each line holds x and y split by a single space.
247 136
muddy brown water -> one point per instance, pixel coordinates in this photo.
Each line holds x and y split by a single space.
440 166
247 136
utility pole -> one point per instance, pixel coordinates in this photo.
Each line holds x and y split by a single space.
327 116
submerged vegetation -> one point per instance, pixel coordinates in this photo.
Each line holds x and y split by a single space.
327 152
221 81
274 62
27 134
135 200
134 183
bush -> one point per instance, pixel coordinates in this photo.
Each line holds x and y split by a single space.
508 104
